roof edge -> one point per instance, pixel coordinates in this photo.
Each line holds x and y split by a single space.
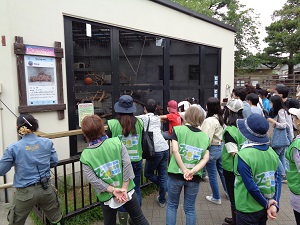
180 8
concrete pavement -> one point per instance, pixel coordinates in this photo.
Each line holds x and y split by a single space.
207 213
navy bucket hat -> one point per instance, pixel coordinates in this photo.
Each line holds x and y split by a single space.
125 105
254 128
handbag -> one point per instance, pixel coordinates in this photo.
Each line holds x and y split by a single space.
148 143
281 137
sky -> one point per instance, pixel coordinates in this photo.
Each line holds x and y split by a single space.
265 8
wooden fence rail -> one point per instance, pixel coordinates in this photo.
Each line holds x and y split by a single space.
270 81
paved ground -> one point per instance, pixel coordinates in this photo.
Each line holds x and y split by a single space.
207 213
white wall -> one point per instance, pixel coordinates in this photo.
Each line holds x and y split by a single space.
41 23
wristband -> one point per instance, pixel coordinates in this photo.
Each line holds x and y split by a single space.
275 206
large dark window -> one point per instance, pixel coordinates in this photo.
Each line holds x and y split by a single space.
104 62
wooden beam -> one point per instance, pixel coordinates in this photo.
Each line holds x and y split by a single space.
61 134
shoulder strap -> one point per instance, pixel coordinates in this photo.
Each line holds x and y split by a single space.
148 123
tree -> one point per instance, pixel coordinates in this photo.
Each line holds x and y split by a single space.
232 13
283 35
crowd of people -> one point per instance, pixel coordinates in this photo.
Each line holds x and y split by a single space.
232 140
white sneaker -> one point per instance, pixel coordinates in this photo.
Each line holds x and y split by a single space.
162 205
205 178
215 201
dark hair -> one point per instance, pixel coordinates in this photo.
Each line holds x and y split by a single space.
253 98
240 92
292 103
151 106
191 100
233 116
213 107
181 108
250 89
263 92
92 127
127 121
28 121
277 104
283 90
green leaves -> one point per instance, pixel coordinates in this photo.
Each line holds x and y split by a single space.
284 35
232 13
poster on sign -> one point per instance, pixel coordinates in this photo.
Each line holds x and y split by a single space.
40 76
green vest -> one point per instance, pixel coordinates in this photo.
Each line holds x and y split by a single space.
133 143
227 159
263 165
192 147
106 161
293 176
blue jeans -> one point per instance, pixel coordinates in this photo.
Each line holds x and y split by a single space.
132 207
280 152
137 169
191 189
158 163
214 164
166 136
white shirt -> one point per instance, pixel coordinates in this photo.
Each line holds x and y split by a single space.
212 127
160 143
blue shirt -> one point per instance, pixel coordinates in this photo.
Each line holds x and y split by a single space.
247 110
32 157
266 104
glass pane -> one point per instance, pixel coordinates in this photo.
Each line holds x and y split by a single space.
184 58
92 66
92 71
102 103
91 54
211 77
141 57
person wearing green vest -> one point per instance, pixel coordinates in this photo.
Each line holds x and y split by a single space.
258 184
190 154
292 156
107 166
129 130
233 141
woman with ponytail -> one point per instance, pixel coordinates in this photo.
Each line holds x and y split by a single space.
32 157
129 130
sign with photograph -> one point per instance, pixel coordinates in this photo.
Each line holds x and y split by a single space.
40 76
85 109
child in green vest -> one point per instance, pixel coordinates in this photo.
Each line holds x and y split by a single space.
257 185
107 166
292 156
185 169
